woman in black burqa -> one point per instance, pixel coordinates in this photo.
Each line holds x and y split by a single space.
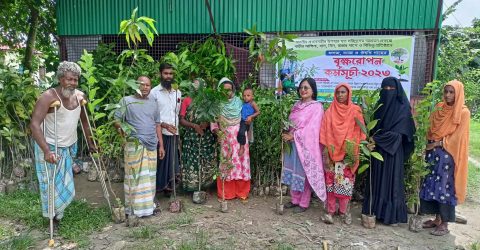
393 136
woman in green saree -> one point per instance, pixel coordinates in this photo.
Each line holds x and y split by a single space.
198 148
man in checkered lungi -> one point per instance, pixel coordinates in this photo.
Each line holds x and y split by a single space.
67 116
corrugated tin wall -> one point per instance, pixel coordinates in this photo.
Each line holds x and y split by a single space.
95 17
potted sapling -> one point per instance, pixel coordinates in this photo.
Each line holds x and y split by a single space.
417 167
367 152
225 165
286 125
206 107
118 214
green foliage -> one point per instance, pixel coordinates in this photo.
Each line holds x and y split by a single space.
207 103
181 220
350 156
18 95
107 77
417 167
265 152
270 50
21 242
6 232
132 27
474 148
474 245
80 219
200 241
207 59
156 243
450 9
106 136
369 106
15 23
471 82
473 183
211 61
23 206
180 63
143 232
285 246
459 58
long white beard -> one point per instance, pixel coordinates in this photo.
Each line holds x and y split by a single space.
68 92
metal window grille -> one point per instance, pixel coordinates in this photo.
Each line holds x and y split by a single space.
72 47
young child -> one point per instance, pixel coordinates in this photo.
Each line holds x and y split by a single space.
249 112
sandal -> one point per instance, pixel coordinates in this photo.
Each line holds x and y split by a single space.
290 205
328 219
440 232
347 218
429 224
299 209
157 210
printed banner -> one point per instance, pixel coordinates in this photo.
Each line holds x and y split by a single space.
361 61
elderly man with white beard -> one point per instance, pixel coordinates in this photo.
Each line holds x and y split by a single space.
45 136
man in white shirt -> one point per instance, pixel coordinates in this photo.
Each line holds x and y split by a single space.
168 100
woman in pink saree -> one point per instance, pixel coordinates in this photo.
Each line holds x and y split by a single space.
303 166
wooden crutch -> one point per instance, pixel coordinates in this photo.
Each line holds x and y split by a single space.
98 168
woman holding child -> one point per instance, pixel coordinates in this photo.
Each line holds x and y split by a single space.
235 168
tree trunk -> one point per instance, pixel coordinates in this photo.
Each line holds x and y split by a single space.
32 35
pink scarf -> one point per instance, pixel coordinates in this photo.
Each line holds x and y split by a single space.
307 118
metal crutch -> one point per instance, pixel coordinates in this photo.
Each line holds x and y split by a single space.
51 174
99 170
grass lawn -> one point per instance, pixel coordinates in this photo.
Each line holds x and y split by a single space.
473 186
474 149
474 171
79 220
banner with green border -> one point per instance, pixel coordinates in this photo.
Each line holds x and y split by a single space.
361 61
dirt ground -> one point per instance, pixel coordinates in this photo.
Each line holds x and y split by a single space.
255 225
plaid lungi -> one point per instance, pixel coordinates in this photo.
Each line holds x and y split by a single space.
140 177
64 186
